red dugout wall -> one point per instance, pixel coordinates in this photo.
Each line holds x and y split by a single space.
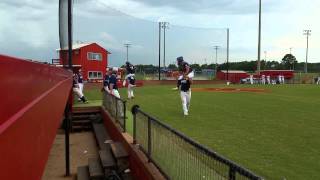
33 99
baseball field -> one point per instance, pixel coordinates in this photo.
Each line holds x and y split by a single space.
272 130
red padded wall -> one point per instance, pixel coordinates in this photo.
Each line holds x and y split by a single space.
34 96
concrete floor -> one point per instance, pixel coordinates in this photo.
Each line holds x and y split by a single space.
82 146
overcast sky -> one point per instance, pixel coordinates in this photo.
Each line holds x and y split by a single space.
29 28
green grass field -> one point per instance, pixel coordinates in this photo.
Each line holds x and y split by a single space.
274 134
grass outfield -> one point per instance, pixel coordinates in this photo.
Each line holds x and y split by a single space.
275 134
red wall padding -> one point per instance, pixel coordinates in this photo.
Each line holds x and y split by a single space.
34 96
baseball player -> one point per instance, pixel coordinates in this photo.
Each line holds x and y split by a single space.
251 79
113 88
130 78
268 80
76 89
184 84
80 81
106 81
263 79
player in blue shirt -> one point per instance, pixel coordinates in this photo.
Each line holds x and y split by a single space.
106 81
113 87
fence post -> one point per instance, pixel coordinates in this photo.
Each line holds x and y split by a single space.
116 100
232 173
124 115
149 139
134 110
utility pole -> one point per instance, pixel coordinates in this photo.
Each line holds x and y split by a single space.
216 67
164 25
307 33
127 45
259 39
159 49
290 50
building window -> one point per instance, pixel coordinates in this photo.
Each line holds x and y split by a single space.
94 75
94 56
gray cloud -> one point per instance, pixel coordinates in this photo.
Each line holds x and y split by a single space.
213 6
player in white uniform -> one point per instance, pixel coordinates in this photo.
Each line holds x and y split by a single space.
130 78
263 79
251 79
268 79
76 89
184 84
80 81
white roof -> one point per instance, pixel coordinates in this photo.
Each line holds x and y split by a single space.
233 71
75 46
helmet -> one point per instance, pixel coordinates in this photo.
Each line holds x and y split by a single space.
179 59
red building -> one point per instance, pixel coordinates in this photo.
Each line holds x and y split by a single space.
233 76
90 57
288 74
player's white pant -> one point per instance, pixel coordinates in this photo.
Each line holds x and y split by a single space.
130 91
263 81
268 81
185 98
318 82
81 87
77 91
106 88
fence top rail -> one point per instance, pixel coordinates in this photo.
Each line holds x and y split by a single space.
119 99
204 149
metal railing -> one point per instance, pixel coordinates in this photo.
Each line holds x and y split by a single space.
117 109
179 157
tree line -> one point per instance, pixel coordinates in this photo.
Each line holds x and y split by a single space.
288 62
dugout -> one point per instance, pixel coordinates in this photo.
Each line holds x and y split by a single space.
288 74
232 76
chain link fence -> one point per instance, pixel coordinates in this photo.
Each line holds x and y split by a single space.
117 109
179 157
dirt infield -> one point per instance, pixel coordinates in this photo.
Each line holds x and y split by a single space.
231 90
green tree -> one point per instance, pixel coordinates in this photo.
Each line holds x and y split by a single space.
195 67
289 61
172 67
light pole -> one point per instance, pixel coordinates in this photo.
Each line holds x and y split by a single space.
307 33
290 50
164 26
259 39
265 59
216 67
159 49
127 45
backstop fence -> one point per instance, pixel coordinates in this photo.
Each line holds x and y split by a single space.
117 109
179 157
